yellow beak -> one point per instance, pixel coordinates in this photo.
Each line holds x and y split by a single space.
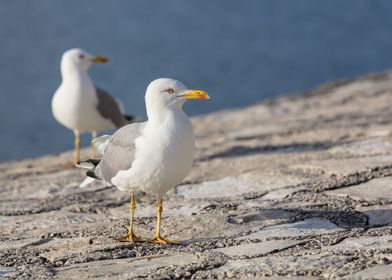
196 94
100 59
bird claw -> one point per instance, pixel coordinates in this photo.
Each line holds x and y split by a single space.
161 240
130 238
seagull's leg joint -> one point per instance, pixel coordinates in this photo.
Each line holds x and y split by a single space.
157 237
131 237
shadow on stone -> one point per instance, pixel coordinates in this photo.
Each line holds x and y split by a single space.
347 219
262 216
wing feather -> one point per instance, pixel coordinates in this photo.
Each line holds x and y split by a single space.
109 108
120 151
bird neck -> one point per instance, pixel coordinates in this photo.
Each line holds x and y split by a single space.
159 114
75 75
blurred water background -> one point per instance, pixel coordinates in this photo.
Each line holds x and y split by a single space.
241 52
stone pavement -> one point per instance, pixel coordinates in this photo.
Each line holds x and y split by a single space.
299 186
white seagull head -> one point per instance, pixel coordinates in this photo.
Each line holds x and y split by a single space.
79 60
169 94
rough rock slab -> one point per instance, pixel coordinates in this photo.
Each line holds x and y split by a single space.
250 250
297 187
378 188
236 186
375 272
125 268
368 243
294 266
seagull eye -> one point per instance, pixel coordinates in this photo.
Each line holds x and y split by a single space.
81 56
170 90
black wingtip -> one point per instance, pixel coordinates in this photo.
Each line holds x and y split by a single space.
134 119
129 118
90 173
93 161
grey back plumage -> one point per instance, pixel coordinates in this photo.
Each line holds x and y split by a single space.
120 151
109 108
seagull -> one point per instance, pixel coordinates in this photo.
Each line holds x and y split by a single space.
79 105
152 156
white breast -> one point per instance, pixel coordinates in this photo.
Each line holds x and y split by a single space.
74 105
164 156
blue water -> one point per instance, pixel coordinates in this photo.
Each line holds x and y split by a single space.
239 51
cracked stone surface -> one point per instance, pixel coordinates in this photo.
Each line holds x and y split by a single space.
299 186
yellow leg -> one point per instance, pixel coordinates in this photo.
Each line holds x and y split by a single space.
131 237
157 237
77 147
93 151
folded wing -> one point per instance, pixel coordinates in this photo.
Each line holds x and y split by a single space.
120 151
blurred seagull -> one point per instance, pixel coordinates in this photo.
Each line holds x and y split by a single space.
153 156
80 106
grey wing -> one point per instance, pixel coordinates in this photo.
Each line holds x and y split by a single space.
120 151
109 108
